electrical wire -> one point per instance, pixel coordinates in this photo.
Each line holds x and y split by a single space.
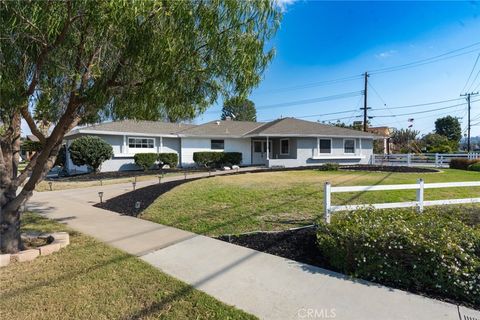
470 75
313 100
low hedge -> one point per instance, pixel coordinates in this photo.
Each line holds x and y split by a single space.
212 159
462 163
170 159
329 167
474 167
434 252
145 160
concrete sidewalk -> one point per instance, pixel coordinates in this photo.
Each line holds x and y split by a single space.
267 286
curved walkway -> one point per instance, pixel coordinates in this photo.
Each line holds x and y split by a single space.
267 286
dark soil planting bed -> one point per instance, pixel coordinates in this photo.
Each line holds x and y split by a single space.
297 244
118 174
375 168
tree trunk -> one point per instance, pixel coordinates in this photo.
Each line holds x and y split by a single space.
10 241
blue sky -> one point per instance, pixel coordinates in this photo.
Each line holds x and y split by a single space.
321 41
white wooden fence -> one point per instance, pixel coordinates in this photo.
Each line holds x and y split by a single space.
424 159
420 186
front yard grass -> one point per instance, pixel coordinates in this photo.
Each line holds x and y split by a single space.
282 200
90 280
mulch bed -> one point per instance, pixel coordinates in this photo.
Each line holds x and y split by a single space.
400 169
118 174
296 244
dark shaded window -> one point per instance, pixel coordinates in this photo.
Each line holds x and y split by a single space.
325 146
217 144
257 146
284 146
349 146
143 143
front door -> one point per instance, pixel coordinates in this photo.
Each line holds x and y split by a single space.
260 151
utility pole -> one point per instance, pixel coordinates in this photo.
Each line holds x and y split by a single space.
469 126
365 107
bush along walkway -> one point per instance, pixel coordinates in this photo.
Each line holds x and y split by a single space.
264 285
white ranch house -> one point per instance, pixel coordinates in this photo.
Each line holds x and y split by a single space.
286 142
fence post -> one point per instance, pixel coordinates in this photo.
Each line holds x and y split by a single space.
436 160
420 189
409 159
327 201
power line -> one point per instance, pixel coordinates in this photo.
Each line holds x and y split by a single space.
440 57
313 100
419 105
424 111
311 85
470 75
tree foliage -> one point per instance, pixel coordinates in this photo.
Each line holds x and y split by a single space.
239 109
71 62
405 140
436 143
449 127
90 151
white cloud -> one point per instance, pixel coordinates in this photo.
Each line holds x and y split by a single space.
385 54
283 4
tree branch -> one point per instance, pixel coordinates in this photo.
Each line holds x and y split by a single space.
32 125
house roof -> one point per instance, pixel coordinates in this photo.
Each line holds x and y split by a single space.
135 127
225 128
297 127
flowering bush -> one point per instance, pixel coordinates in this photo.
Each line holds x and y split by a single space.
435 252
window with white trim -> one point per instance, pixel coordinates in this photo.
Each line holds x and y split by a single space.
217 144
349 146
284 146
141 143
325 146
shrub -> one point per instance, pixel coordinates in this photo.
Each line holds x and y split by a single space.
433 252
232 158
145 160
90 151
475 166
462 163
168 158
329 167
212 159
208 159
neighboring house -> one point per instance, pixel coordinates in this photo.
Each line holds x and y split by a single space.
286 142
385 133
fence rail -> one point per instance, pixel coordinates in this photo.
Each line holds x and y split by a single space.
425 159
420 186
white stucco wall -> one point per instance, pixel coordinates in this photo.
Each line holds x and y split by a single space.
191 145
123 155
307 152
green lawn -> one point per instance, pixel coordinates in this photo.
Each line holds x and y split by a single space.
90 280
281 200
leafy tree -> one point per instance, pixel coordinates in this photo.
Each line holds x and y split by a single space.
90 151
239 109
437 143
71 62
449 127
405 140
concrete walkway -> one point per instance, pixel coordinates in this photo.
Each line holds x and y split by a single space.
267 286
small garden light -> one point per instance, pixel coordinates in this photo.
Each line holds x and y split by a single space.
134 184
50 185
185 172
101 182
159 179
100 195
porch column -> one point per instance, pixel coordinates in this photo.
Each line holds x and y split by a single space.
360 145
385 151
268 150
161 144
124 147
318 146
